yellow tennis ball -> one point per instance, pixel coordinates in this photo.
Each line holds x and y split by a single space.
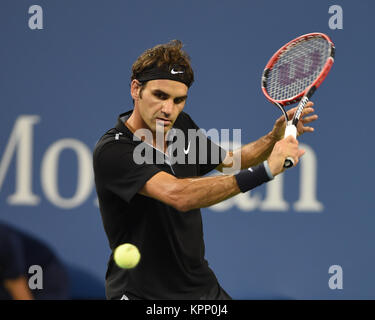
126 256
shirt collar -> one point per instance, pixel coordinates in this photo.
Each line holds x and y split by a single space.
121 127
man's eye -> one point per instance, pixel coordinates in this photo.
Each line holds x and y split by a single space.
160 95
178 101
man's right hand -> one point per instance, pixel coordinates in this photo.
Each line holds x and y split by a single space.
283 149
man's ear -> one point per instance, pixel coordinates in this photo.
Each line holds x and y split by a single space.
135 88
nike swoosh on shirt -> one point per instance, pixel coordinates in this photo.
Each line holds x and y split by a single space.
186 151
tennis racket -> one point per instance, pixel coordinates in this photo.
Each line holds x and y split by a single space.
294 73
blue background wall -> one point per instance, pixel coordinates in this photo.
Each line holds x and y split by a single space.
73 76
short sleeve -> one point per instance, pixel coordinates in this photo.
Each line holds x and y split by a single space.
116 170
209 155
12 256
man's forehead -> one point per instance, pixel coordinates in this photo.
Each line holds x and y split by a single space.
171 87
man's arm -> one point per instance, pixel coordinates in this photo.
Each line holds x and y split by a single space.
258 151
18 288
191 193
251 154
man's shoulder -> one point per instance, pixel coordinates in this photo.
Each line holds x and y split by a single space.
184 121
114 139
184 116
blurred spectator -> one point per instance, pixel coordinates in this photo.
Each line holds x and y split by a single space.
18 252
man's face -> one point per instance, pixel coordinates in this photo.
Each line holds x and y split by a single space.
160 103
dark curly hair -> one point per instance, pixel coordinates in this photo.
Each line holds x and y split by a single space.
164 55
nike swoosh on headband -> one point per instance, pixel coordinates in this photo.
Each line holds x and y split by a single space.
176 72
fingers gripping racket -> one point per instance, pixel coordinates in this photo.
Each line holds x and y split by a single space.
293 74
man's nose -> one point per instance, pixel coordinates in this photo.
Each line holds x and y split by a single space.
167 107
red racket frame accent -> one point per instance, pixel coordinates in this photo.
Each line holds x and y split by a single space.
316 83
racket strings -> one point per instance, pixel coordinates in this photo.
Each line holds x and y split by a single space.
297 68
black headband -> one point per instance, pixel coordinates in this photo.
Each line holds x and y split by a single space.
176 73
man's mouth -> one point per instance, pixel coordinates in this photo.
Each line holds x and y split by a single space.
164 121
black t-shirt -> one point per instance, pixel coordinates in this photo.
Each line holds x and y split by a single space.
171 243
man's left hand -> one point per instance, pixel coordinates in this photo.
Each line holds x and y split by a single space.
306 118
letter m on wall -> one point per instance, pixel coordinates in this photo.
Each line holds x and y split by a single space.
20 147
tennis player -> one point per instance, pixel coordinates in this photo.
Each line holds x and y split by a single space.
155 205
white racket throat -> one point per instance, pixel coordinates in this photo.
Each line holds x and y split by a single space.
290 130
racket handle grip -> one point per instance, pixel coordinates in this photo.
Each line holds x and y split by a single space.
290 130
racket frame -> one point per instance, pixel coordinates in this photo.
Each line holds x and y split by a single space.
316 83
302 97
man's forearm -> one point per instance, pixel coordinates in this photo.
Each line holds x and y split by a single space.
193 193
256 152
250 154
18 288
